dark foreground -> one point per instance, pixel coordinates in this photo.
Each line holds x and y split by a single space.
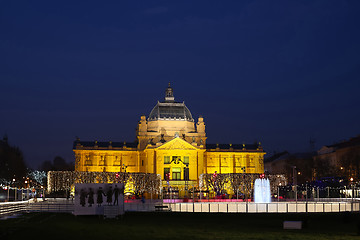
179 226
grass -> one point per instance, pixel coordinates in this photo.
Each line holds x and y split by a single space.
180 226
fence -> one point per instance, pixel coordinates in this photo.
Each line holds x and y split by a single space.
276 207
12 208
67 206
58 207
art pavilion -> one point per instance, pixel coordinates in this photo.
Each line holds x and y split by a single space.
169 142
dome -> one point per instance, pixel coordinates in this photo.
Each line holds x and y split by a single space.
170 111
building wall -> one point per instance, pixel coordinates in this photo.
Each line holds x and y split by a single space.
100 160
234 162
152 160
344 161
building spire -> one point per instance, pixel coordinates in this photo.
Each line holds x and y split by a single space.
169 94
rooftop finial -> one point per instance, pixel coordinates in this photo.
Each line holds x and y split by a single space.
169 94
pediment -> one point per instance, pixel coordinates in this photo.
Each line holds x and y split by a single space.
177 144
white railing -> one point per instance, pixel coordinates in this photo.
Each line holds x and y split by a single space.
51 207
275 207
11 208
67 206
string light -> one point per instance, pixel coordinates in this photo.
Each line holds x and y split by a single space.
137 183
238 182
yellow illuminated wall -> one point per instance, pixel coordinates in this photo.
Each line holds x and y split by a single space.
174 155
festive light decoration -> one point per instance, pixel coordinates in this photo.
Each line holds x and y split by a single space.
38 176
137 183
234 183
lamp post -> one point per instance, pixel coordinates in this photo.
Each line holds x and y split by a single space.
214 179
14 189
22 198
186 178
278 192
27 183
43 193
295 182
8 193
123 167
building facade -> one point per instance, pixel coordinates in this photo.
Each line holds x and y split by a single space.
169 142
340 159
296 167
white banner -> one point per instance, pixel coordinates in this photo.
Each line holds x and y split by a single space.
92 198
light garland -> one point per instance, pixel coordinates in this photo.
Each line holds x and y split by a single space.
137 183
237 182
38 176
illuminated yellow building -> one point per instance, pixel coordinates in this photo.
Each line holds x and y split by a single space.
171 144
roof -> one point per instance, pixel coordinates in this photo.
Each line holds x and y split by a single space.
287 155
234 146
170 111
277 156
93 144
352 142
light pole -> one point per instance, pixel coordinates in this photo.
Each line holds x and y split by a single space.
43 193
8 194
26 187
123 168
214 179
186 178
14 189
22 197
295 181
278 192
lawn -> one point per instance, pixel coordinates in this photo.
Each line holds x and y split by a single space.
179 226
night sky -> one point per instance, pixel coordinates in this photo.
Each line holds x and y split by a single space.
279 72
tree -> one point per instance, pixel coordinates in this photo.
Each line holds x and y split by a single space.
350 163
215 181
12 164
323 168
58 164
39 178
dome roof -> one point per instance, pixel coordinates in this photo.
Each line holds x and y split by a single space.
170 111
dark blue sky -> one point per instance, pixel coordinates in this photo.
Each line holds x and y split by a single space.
277 72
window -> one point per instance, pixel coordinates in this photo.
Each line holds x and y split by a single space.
87 161
176 174
186 173
166 173
102 161
166 159
186 159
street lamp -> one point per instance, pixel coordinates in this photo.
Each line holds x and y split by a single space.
214 179
295 181
15 189
43 193
186 178
22 197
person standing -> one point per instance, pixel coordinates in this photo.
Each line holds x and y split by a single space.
100 194
82 197
109 194
91 197
116 195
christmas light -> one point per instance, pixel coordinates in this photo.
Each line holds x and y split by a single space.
137 183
